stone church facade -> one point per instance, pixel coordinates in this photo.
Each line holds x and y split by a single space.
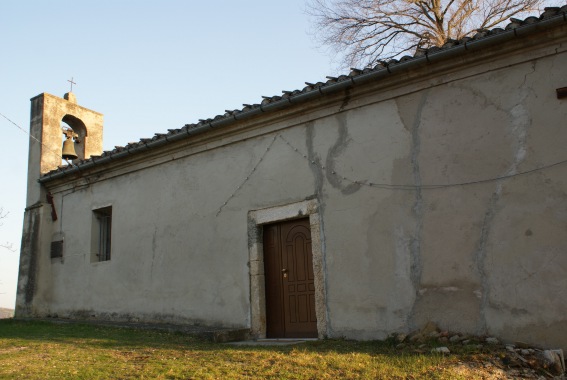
433 188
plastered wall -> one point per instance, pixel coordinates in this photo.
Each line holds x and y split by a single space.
440 200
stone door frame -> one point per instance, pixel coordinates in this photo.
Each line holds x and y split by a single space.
256 219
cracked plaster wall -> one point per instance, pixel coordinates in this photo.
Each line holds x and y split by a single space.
485 258
456 255
477 241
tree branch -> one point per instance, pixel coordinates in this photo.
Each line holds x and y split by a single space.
362 31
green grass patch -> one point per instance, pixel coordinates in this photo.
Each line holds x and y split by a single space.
42 350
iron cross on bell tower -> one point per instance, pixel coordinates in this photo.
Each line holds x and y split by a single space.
72 83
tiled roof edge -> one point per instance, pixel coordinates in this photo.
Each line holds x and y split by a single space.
516 28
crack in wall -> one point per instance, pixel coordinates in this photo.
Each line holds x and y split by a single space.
313 157
480 256
346 100
319 193
335 151
520 121
154 247
417 209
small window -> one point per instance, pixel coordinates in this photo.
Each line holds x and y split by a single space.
102 234
57 249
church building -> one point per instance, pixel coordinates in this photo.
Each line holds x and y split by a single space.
430 188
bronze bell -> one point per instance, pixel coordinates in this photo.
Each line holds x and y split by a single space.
69 150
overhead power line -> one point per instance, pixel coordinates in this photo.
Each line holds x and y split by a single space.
58 154
364 182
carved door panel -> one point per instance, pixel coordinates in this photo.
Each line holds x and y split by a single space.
290 288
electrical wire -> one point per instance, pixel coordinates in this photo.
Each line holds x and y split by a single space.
358 182
58 154
421 187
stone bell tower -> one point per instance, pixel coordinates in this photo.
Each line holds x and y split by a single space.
48 112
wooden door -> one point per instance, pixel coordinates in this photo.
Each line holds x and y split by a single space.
290 287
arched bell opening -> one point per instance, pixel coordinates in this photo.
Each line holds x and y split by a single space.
74 133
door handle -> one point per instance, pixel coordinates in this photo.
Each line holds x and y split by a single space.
284 271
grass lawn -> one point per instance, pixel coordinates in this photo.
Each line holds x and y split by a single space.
41 350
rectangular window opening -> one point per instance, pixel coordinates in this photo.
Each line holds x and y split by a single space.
57 249
102 234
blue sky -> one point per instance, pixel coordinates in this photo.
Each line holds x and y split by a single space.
147 66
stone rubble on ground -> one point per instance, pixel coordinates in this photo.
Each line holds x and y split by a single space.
442 350
401 337
516 359
456 338
492 340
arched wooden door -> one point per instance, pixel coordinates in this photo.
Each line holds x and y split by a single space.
290 288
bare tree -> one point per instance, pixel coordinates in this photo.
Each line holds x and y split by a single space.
366 31
8 246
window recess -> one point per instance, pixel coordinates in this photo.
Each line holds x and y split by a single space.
101 234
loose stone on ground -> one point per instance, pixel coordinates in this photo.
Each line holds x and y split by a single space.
506 360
